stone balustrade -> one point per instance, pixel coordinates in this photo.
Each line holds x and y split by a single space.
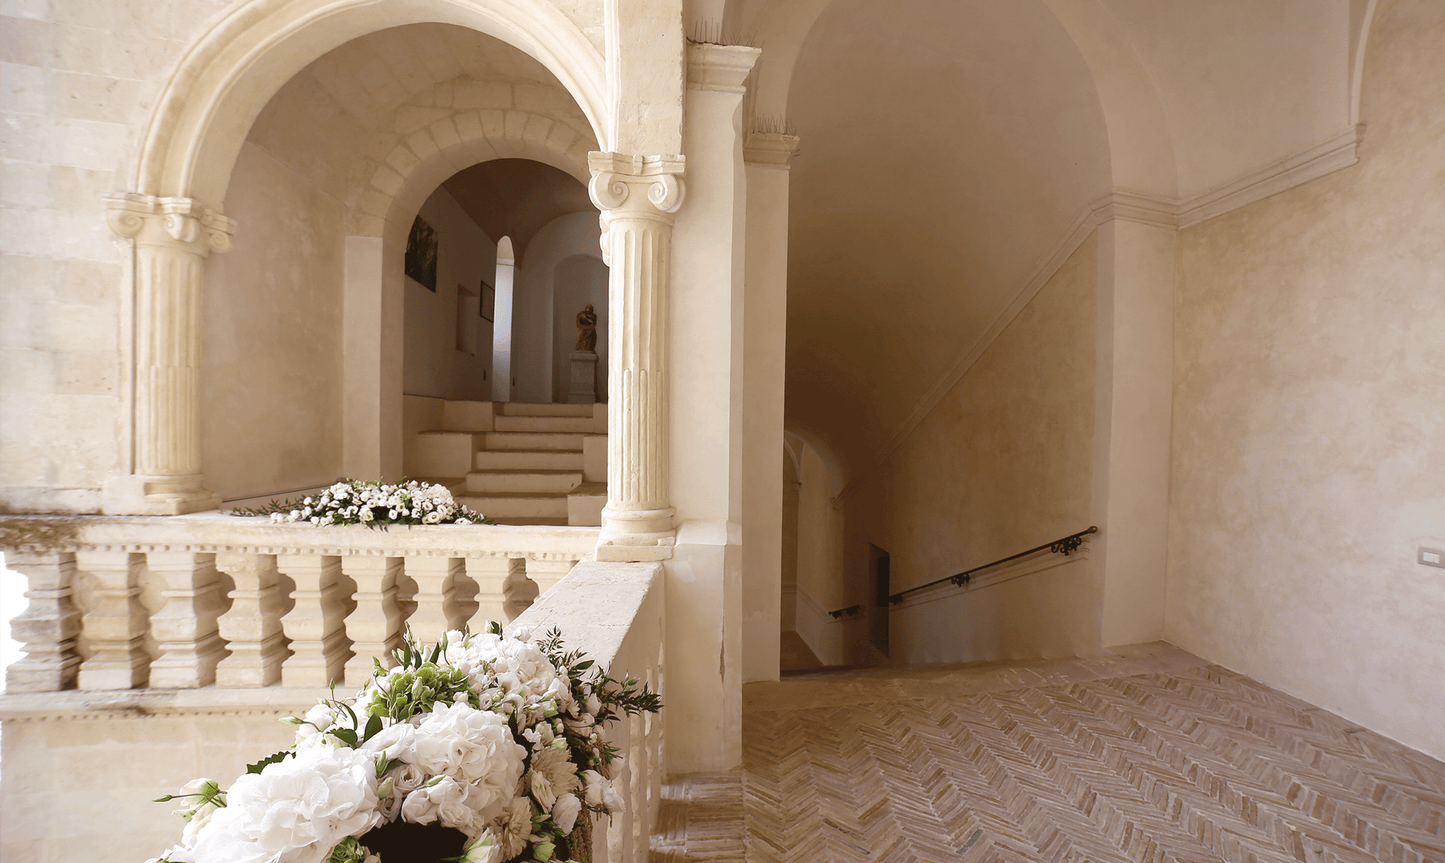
244 622
185 602
613 612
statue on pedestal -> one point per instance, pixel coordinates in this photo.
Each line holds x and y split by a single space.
587 329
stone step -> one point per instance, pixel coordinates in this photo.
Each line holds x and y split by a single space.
582 425
539 481
517 505
532 440
527 409
527 459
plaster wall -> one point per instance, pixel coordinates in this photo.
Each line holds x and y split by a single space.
1001 465
1308 419
819 546
539 321
68 765
434 366
577 281
271 336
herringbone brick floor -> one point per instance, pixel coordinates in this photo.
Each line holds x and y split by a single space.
1153 756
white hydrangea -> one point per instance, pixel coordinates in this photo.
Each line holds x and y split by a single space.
476 748
295 810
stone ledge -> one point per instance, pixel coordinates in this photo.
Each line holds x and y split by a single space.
136 703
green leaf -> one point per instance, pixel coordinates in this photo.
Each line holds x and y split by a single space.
345 735
373 727
273 759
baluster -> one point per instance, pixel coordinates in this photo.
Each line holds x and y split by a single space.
185 627
638 781
252 627
654 754
546 573
49 625
115 625
436 612
375 626
492 575
315 624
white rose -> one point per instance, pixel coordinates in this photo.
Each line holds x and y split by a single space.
443 799
565 812
394 742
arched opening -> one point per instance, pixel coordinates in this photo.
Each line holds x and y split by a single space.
426 131
505 280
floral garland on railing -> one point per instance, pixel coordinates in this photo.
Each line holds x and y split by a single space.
487 749
372 503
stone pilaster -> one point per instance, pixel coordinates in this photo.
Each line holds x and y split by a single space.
637 196
172 237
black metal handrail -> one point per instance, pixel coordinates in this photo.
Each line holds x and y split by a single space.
849 611
1066 546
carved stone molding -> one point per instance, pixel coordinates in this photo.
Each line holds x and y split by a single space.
147 218
637 196
770 149
722 68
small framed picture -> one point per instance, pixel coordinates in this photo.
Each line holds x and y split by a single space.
421 254
488 305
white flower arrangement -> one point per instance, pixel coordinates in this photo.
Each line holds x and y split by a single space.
496 737
372 503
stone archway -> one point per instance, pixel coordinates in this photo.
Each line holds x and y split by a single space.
377 228
184 166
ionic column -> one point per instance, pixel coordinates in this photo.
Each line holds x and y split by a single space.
637 196
49 625
172 238
115 625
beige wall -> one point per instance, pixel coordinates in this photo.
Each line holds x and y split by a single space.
1001 465
271 347
105 771
433 365
577 281
535 330
1309 415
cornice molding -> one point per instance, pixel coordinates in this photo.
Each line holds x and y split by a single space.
720 68
1340 151
770 149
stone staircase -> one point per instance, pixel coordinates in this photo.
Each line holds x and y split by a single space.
517 463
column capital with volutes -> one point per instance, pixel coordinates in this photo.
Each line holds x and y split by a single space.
626 184
178 222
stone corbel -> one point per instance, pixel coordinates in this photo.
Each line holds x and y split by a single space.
721 68
770 149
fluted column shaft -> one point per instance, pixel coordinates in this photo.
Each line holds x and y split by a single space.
637 196
172 237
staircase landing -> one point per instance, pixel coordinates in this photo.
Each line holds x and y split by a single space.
1151 755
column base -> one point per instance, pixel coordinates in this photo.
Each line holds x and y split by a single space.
135 494
636 535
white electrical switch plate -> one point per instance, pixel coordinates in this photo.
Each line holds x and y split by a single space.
1432 557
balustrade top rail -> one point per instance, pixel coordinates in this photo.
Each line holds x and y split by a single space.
1065 546
212 531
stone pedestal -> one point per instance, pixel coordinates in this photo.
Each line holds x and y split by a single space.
583 388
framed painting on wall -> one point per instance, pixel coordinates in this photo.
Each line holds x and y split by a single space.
421 254
488 304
